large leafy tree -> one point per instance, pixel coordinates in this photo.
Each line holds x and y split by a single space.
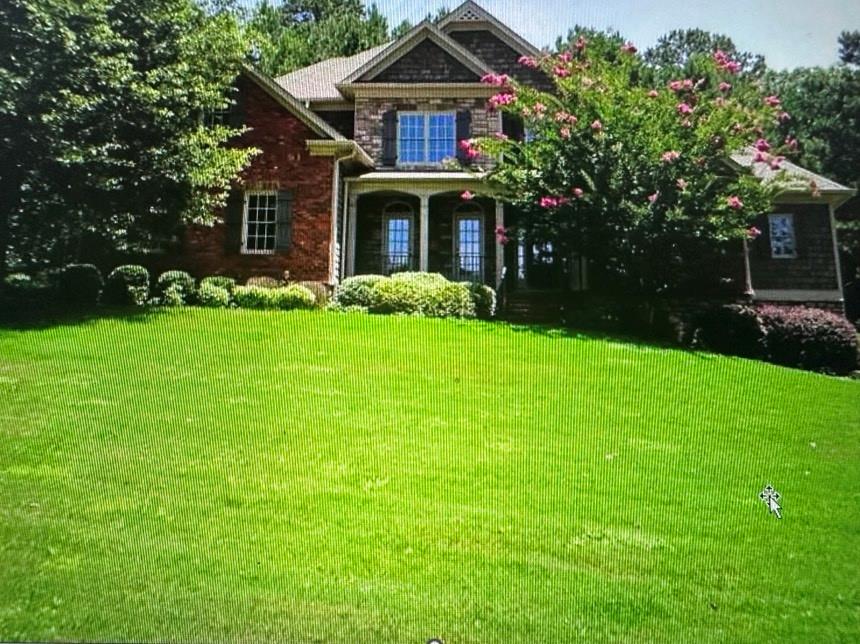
637 177
678 49
298 33
102 145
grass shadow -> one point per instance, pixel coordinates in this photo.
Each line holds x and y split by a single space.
50 318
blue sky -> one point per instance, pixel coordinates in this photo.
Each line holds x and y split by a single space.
790 33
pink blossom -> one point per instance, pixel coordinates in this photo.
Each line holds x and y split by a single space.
628 48
782 117
528 61
735 203
732 66
578 192
762 145
676 85
653 93
502 235
684 108
552 202
502 80
501 136
565 57
791 142
580 43
772 101
565 132
776 163
761 157
652 198
467 196
502 99
725 63
725 87
597 126
670 156
753 233
565 117
682 184
561 72
469 148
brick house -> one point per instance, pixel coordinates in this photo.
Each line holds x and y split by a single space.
352 178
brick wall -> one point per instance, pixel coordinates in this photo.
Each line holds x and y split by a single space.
285 164
814 268
369 111
500 57
427 63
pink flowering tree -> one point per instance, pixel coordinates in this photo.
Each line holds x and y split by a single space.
635 176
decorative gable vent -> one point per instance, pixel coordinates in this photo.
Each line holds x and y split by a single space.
468 15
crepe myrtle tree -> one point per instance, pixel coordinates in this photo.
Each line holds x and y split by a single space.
636 177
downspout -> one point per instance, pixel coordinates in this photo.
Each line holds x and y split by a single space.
335 210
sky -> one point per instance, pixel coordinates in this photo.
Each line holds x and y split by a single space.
789 33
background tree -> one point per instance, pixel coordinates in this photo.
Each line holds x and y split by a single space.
676 50
102 145
849 47
404 27
633 176
298 33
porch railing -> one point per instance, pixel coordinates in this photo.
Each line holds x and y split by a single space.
468 267
397 263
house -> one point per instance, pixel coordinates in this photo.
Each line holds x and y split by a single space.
354 177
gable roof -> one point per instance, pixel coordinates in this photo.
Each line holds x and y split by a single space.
425 30
317 82
799 180
293 105
472 16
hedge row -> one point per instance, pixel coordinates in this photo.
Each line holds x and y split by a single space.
426 294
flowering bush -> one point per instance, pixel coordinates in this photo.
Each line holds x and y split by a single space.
636 176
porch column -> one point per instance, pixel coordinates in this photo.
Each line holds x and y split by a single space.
351 225
424 239
500 249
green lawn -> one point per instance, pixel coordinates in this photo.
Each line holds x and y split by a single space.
196 474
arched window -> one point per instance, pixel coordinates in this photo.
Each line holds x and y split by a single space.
398 233
469 242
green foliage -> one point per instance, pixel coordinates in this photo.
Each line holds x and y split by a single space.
357 291
595 179
101 141
127 285
321 291
182 283
259 297
300 33
732 329
173 295
80 285
22 293
849 47
675 53
483 299
212 296
221 281
427 294
264 281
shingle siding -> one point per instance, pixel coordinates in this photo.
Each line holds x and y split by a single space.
426 63
500 57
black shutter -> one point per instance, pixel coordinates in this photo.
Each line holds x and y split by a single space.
513 126
285 221
233 215
237 109
389 138
464 131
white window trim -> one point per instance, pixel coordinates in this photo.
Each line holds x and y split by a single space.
248 193
480 214
425 115
790 216
388 216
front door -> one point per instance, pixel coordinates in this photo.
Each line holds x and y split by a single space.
542 266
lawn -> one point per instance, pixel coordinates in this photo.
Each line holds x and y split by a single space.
194 474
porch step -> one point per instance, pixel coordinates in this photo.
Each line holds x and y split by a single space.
542 307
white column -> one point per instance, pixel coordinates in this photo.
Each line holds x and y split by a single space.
351 224
424 239
500 249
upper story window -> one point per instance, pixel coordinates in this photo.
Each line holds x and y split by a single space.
426 137
783 244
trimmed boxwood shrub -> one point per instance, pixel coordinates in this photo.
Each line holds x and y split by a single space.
26 293
258 297
483 298
264 282
731 329
809 338
184 284
221 281
127 285
425 294
357 291
448 300
322 293
396 296
80 284
173 296
213 296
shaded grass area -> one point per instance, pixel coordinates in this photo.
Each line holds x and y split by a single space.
197 474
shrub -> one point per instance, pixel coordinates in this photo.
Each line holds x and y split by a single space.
357 291
258 297
221 281
80 284
24 293
321 292
809 339
213 296
127 285
396 296
448 300
424 280
264 282
184 286
422 294
731 329
483 299
173 296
